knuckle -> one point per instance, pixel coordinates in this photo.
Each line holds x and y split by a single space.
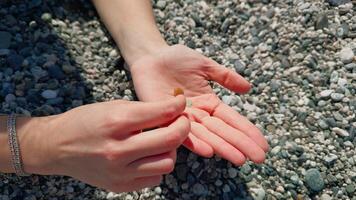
185 127
170 167
173 139
111 121
112 153
170 112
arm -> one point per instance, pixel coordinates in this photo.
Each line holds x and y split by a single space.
157 69
35 154
132 25
79 144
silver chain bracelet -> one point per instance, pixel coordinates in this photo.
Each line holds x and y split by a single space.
14 146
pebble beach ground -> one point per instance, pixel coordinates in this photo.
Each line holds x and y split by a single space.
299 55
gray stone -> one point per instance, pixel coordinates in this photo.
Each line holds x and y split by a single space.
340 132
350 188
199 189
68 69
337 96
346 55
9 98
321 21
260 194
49 94
314 180
246 169
342 82
326 93
232 172
229 100
4 52
239 66
249 51
161 4
325 197
5 39
276 150
47 17
330 159
275 85
351 66
337 2
158 190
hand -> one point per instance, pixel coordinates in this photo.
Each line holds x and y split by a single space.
215 127
102 144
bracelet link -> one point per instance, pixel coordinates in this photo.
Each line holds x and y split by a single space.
14 146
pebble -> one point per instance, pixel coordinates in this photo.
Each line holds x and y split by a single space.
68 69
260 193
49 94
10 98
325 197
340 132
330 159
249 51
5 39
47 17
326 93
239 66
232 172
321 21
337 96
276 150
350 188
161 4
351 66
229 100
199 189
314 180
158 190
337 2
346 55
4 52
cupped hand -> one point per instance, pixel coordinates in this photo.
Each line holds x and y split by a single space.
215 127
102 144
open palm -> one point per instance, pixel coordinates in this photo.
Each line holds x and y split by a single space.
215 127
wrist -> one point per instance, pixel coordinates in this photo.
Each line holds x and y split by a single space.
135 48
35 136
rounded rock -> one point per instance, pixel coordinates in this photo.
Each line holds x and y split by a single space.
314 180
346 55
49 94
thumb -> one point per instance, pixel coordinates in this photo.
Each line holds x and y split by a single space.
146 115
227 78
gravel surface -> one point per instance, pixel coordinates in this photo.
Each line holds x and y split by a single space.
299 55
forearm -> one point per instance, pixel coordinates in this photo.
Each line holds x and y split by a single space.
132 25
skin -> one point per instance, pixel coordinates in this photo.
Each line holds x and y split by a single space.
102 144
158 68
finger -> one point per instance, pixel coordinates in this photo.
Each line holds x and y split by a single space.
220 146
234 119
195 114
198 146
236 138
152 114
158 141
228 78
153 165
